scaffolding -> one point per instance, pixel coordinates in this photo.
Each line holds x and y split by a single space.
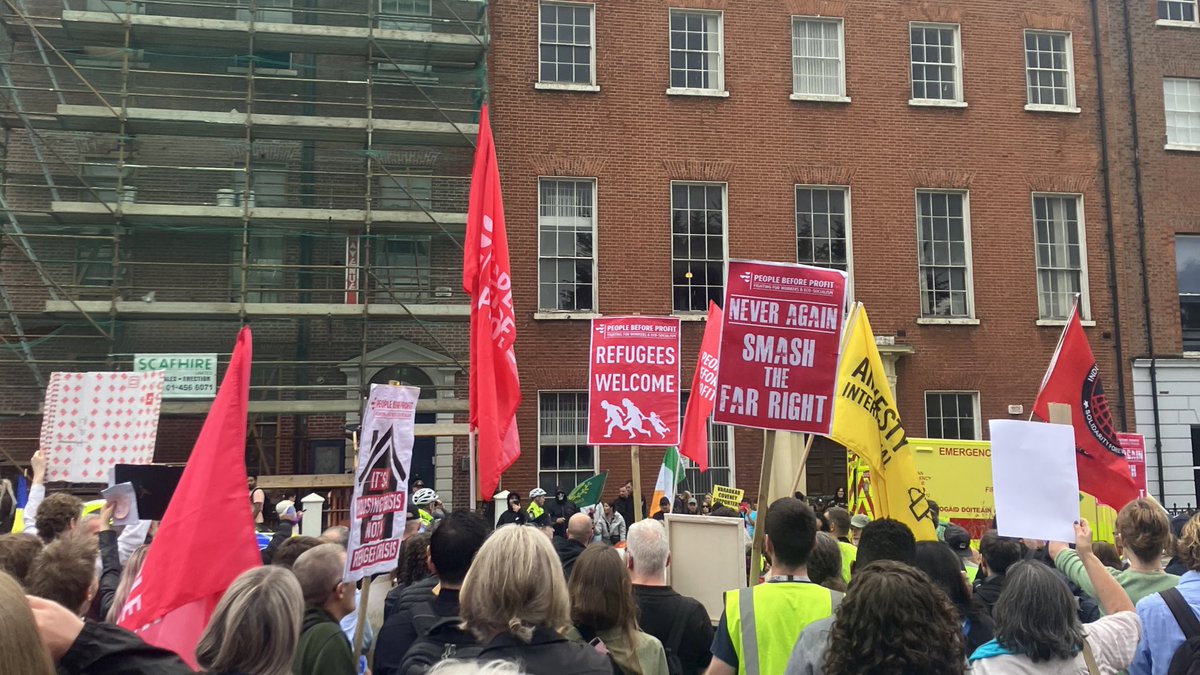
173 169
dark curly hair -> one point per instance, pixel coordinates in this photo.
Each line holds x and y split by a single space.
58 513
894 621
412 563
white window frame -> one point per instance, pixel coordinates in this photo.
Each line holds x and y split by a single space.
1175 145
849 227
731 456
567 86
970 319
584 419
1182 23
699 314
975 408
719 90
386 18
546 313
841 96
1071 105
960 100
1085 303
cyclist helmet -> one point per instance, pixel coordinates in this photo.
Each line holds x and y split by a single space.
537 492
424 496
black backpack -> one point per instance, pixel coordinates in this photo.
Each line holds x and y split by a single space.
439 638
1186 660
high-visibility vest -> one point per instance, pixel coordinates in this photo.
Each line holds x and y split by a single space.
535 511
765 621
426 517
972 570
849 555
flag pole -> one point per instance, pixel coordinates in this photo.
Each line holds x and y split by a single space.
764 484
808 443
635 461
472 478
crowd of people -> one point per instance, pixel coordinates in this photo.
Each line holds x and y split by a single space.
553 589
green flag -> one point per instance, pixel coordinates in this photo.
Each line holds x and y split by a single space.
588 492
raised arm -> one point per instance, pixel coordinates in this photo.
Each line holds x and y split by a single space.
1109 593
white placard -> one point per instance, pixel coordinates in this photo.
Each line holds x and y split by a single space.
126 512
1034 479
94 421
380 507
708 557
187 375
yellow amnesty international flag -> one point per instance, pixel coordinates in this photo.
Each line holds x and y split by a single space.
866 422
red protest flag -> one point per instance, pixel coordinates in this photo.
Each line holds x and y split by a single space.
1074 380
495 390
694 445
207 535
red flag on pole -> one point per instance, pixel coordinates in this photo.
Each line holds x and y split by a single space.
495 390
694 445
207 535
1074 380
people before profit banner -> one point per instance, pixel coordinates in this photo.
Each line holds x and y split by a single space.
634 381
380 507
779 346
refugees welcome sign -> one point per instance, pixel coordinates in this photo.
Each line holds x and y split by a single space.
634 381
779 346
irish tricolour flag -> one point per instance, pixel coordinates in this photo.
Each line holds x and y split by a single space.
669 475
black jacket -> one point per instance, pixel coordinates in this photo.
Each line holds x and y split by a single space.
568 551
549 653
511 517
624 506
110 575
403 598
658 608
564 509
988 591
104 649
399 633
282 534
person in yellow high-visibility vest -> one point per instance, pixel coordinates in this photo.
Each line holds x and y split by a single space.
422 499
760 625
537 508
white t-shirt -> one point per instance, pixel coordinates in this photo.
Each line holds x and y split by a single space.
1113 640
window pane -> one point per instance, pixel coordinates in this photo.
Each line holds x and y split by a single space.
941 233
934 55
564 458
1058 254
566 224
821 226
950 415
1048 69
697 245
565 34
1182 102
817 57
695 40
1177 10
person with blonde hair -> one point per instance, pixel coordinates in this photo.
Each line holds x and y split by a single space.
1162 632
21 648
603 609
515 601
133 567
256 625
1143 532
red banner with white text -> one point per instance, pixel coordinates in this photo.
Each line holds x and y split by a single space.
634 381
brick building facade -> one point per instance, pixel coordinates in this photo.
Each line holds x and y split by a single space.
952 149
